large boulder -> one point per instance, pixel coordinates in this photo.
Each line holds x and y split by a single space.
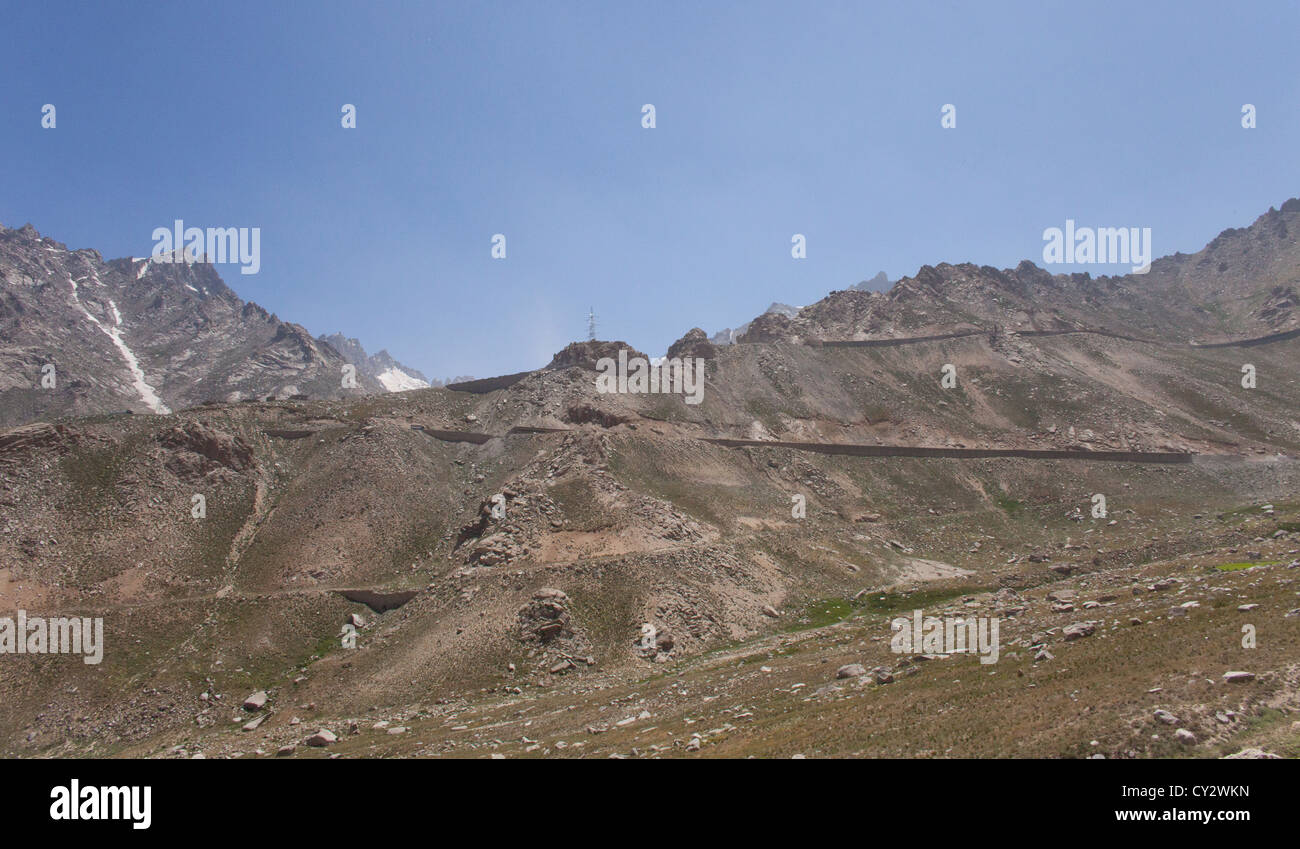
851 670
324 737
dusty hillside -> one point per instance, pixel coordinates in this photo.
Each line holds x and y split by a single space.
530 561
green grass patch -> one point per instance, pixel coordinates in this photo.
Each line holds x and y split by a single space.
919 599
1009 505
1237 567
819 614
1256 510
822 613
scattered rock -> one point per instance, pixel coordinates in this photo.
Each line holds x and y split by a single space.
546 617
1252 753
1078 630
323 737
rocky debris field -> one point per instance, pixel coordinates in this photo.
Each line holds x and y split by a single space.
1114 664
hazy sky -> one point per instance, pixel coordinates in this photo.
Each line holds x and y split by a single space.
525 119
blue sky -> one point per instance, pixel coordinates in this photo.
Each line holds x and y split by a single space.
525 119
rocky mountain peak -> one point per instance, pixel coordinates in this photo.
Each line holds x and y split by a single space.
141 334
391 374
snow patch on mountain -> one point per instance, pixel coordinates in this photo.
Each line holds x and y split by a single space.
392 375
396 380
147 393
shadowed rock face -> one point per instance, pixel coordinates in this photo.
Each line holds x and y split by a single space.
378 601
589 413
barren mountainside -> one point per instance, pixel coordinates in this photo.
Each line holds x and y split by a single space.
535 567
141 335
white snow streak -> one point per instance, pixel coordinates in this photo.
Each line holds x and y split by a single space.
147 392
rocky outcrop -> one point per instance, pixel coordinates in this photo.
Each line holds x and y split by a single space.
200 449
694 344
589 413
586 354
40 434
771 327
545 617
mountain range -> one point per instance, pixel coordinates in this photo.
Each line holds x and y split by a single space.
81 335
530 565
